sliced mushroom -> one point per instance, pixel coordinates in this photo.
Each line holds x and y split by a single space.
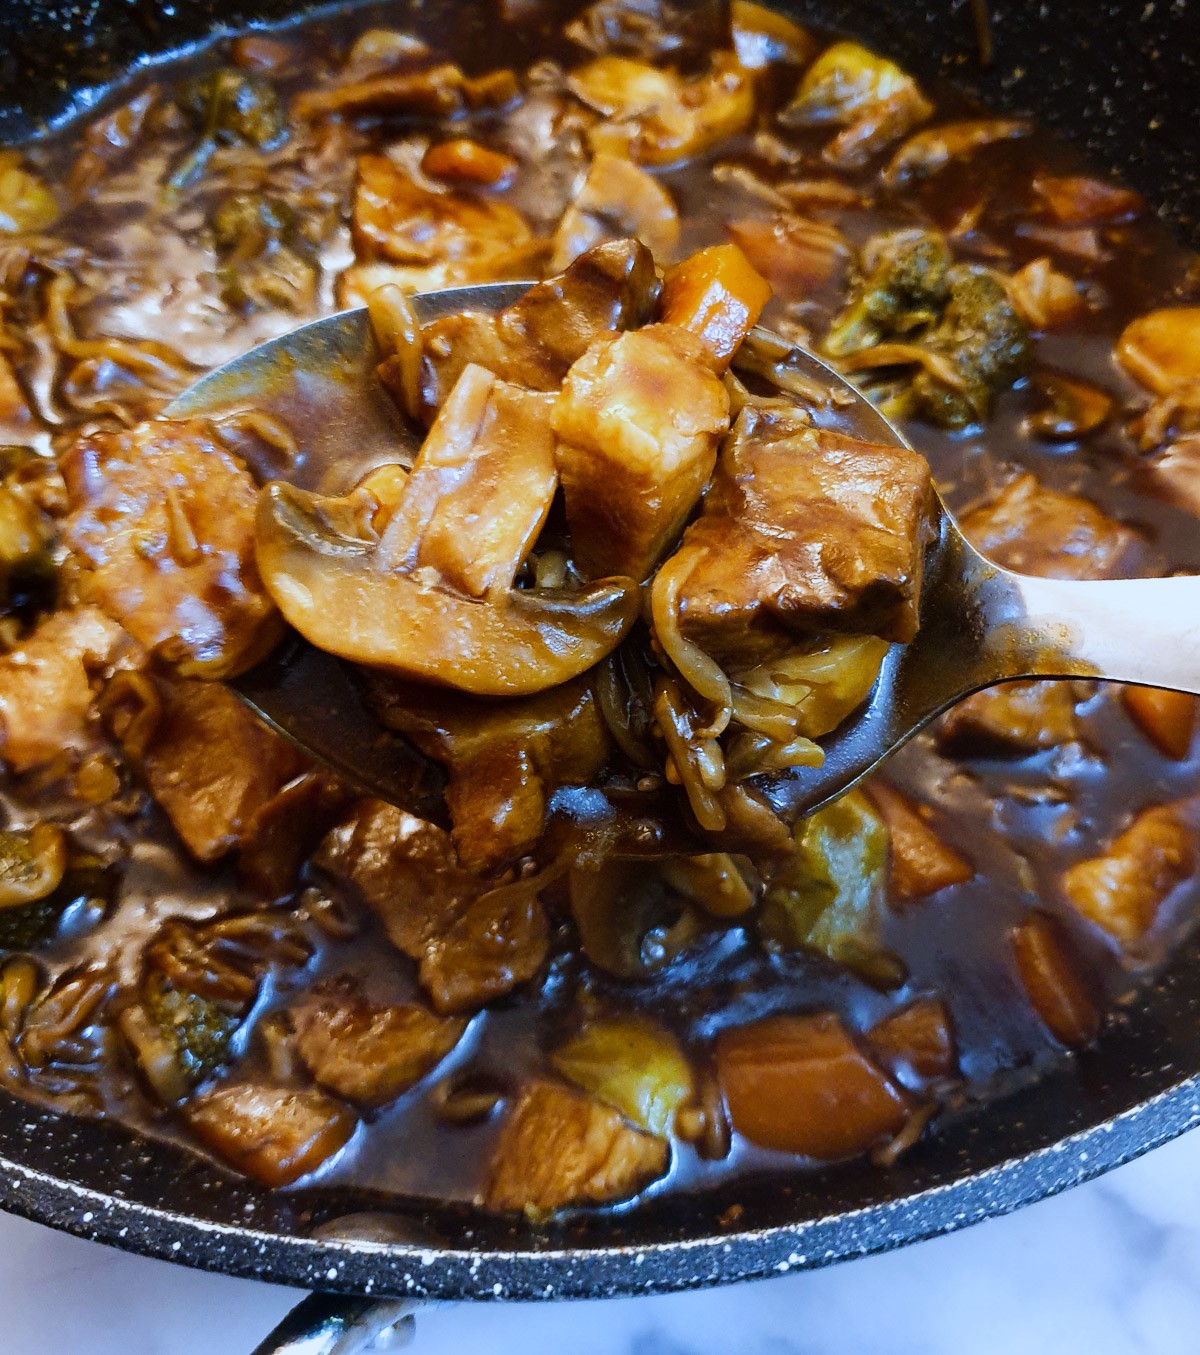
1071 408
330 587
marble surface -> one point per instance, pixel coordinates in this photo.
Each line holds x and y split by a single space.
1112 1268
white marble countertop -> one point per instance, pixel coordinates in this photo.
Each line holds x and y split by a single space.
1112 1268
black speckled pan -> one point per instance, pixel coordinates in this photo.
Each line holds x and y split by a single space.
1119 79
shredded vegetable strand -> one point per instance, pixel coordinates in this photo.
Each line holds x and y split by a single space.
674 725
153 362
703 674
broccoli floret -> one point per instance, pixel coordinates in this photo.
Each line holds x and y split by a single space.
30 925
265 261
903 288
27 926
230 106
829 895
987 341
197 1029
248 224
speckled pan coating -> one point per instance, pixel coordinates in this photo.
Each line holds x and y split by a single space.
1120 79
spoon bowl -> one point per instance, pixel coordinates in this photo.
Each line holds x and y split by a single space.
980 624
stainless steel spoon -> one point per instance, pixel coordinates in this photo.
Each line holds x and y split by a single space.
979 624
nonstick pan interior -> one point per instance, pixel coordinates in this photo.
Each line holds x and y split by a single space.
1118 79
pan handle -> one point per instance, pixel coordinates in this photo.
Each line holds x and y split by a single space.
341 1324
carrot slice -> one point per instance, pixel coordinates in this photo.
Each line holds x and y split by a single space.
718 295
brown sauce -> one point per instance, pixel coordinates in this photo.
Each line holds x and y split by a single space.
144 258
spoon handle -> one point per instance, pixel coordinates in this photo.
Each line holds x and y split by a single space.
1132 630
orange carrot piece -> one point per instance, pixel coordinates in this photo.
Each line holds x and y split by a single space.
718 295
1053 983
1168 719
799 1084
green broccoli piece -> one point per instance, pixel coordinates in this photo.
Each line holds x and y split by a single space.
197 1029
829 895
903 288
265 260
230 108
30 925
985 338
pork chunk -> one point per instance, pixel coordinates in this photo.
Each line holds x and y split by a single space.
1032 529
804 530
366 1052
1123 888
430 237
504 760
480 488
638 418
498 942
212 765
473 943
46 687
1016 717
164 515
274 1134
534 341
405 870
559 1147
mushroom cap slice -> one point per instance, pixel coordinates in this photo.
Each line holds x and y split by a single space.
330 587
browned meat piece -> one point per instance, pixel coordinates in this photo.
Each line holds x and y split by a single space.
534 341
274 1134
1036 530
45 685
480 488
804 529
656 117
618 200
1122 889
212 765
1052 980
916 1044
368 1053
919 862
1018 717
279 837
404 868
559 1147
472 946
675 31
432 238
436 91
504 760
639 417
498 942
164 515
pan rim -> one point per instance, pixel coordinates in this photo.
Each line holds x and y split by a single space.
404 1270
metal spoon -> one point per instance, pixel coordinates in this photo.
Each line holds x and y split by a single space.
979 624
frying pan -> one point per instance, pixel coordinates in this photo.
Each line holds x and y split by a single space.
1119 79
